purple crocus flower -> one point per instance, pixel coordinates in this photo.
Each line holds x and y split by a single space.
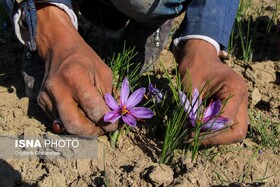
154 92
127 107
209 119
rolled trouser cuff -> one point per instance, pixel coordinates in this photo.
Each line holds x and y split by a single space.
178 42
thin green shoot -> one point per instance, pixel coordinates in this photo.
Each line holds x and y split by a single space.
122 66
175 132
263 131
174 87
243 177
264 177
106 179
174 135
114 136
210 152
243 34
221 175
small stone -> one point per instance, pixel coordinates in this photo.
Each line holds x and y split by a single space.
17 113
256 96
161 175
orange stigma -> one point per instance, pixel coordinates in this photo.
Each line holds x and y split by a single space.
124 110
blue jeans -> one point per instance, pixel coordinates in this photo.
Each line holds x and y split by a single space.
212 18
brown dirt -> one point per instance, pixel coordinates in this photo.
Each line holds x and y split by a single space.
135 161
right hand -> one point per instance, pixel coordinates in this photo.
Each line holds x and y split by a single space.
75 77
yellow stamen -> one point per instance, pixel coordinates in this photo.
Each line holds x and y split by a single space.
146 96
124 110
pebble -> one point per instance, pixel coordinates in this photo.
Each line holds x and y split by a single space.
256 96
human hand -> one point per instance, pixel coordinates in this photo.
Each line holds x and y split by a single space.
200 59
75 76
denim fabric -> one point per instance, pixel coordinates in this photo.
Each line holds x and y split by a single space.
29 10
11 5
150 11
212 18
30 16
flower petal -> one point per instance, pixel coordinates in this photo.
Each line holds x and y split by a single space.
159 96
154 90
182 96
141 112
111 102
155 93
196 102
214 124
135 98
124 91
213 109
193 122
185 101
195 99
151 87
129 119
112 116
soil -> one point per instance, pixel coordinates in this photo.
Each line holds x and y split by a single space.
135 161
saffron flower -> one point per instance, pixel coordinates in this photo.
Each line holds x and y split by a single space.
126 109
154 92
209 118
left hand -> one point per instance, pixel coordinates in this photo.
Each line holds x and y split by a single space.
201 60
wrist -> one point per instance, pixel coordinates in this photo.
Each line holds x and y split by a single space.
53 30
199 46
197 53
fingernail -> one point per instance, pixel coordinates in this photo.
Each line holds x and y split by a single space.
57 126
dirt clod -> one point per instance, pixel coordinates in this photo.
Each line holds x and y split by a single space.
161 175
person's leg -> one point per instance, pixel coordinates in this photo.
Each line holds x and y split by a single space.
103 14
148 28
148 42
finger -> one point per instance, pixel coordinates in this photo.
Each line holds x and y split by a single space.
234 132
45 102
193 80
74 120
104 84
93 104
235 95
242 119
91 101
